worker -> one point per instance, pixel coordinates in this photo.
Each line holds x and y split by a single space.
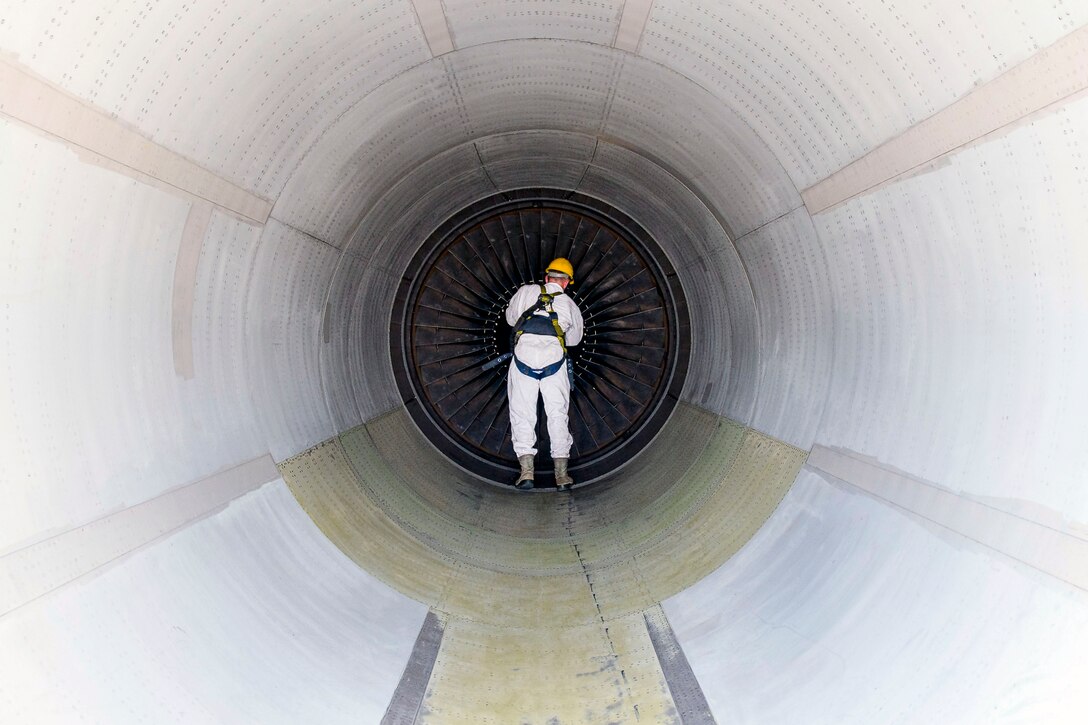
546 322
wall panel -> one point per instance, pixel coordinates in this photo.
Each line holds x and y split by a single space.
251 614
842 609
286 304
793 297
95 417
958 295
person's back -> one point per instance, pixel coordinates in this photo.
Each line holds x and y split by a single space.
546 322
536 349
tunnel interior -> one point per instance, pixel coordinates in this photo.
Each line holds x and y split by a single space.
243 485
451 342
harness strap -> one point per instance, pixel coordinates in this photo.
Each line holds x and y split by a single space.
529 323
539 373
543 304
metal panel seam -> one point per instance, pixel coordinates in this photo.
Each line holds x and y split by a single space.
408 697
47 565
1060 554
1034 86
684 687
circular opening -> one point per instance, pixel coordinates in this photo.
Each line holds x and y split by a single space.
450 333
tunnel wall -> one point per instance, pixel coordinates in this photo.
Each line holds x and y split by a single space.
191 629
207 203
988 301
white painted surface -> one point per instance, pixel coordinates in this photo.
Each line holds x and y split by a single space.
845 610
93 134
219 399
959 298
40 568
824 83
1044 82
243 88
248 616
1048 544
791 283
475 22
541 158
285 307
703 140
93 416
365 150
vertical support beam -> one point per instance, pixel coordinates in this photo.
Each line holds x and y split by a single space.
632 24
686 693
404 707
432 17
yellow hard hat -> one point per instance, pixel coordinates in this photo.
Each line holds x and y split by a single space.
561 265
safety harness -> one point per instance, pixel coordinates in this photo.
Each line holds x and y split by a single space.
536 324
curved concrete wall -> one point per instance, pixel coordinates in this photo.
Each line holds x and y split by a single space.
875 210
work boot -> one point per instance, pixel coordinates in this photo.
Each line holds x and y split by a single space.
525 479
563 481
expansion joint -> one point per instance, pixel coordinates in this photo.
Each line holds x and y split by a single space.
613 654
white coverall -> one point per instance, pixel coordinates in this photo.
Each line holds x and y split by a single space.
538 351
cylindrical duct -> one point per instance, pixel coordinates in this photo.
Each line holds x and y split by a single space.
854 494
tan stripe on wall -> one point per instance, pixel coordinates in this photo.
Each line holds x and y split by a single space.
42 106
632 24
47 565
1043 83
185 270
1052 547
432 18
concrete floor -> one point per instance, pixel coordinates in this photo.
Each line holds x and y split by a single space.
869 505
